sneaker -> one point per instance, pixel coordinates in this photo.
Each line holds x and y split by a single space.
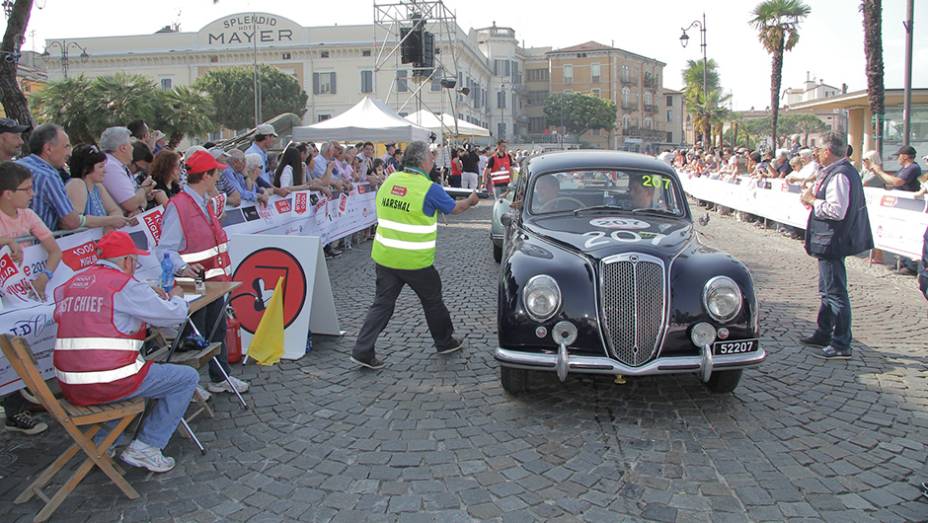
139 454
831 353
202 394
374 363
455 346
223 386
25 423
814 341
29 397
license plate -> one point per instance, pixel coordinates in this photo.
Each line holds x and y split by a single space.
734 347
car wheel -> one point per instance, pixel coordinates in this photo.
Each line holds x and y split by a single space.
725 381
514 381
497 253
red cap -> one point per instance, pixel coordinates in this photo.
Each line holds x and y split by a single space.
201 162
117 244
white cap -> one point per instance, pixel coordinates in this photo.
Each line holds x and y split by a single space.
265 128
217 153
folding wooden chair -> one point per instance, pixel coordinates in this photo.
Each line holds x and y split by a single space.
72 418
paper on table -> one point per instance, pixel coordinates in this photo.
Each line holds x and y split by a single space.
191 297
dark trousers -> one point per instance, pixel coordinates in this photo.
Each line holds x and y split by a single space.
204 320
426 283
13 404
834 313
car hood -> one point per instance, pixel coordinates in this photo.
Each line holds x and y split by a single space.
601 235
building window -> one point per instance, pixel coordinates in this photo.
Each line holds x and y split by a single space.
366 52
167 84
647 98
214 59
323 117
597 92
501 68
516 77
323 83
568 73
669 116
595 71
626 121
324 54
626 94
648 123
536 75
367 81
402 85
501 130
625 73
500 100
670 101
536 124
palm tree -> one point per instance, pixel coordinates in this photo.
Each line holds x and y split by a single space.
873 47
777 24
185 111
694 97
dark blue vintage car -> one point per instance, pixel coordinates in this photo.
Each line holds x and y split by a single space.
602 272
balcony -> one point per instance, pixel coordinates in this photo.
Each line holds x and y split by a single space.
629 106
629 80
650 82
650 108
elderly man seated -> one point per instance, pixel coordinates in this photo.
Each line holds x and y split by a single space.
102 314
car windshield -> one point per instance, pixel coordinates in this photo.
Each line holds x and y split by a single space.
604 189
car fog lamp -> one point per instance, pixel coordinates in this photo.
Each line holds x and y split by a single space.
542 297
722 298
702 334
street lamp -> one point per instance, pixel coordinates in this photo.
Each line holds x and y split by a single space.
64 47
685 39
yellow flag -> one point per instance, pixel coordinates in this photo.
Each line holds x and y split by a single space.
267 345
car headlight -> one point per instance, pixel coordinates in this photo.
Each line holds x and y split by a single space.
542 297
722 298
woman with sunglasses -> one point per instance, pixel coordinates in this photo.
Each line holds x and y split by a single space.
85 189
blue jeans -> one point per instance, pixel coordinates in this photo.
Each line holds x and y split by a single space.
171 387
834 313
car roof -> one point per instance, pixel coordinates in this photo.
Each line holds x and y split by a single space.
595 159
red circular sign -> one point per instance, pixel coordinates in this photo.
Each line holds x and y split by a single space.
259 272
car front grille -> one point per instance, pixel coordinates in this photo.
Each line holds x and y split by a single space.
633 297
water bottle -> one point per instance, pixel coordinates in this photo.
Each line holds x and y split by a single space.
167 273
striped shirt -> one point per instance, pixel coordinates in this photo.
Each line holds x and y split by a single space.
50 200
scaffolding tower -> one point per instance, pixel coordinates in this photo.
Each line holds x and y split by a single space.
390 18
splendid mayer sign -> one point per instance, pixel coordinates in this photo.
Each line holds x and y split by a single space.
303 213
240 30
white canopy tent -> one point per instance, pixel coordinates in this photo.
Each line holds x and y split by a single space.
445 124
370 119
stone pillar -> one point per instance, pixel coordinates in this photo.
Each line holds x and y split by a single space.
857 135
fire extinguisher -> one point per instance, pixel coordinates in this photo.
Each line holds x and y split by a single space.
233 338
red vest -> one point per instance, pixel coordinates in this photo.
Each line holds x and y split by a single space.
94 362
501 170
207 243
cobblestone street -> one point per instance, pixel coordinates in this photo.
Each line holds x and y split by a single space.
432 438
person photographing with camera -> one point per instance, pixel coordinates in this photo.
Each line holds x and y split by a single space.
408 204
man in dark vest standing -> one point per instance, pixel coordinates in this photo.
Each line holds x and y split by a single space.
838 227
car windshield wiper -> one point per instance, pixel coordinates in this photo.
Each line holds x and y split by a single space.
652 210
598 208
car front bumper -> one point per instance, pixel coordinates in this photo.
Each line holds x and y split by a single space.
563 363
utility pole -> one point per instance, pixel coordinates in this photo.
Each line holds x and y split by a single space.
907 92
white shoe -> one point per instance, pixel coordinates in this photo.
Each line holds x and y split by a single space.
202 394
139 454
223 386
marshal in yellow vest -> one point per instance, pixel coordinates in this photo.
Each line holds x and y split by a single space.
405 236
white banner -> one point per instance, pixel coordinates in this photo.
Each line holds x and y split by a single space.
301 213
897 219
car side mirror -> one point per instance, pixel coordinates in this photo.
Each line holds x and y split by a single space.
506 219
704 220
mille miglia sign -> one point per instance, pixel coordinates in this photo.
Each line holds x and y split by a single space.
249 29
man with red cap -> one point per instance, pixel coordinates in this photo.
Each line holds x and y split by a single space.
102 314
193 238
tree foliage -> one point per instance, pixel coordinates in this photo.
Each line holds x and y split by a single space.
232 92
777 24
579 113
85 106
707 109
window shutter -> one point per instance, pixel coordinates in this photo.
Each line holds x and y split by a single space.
333 82
315 83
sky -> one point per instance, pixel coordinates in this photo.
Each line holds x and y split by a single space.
830 46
